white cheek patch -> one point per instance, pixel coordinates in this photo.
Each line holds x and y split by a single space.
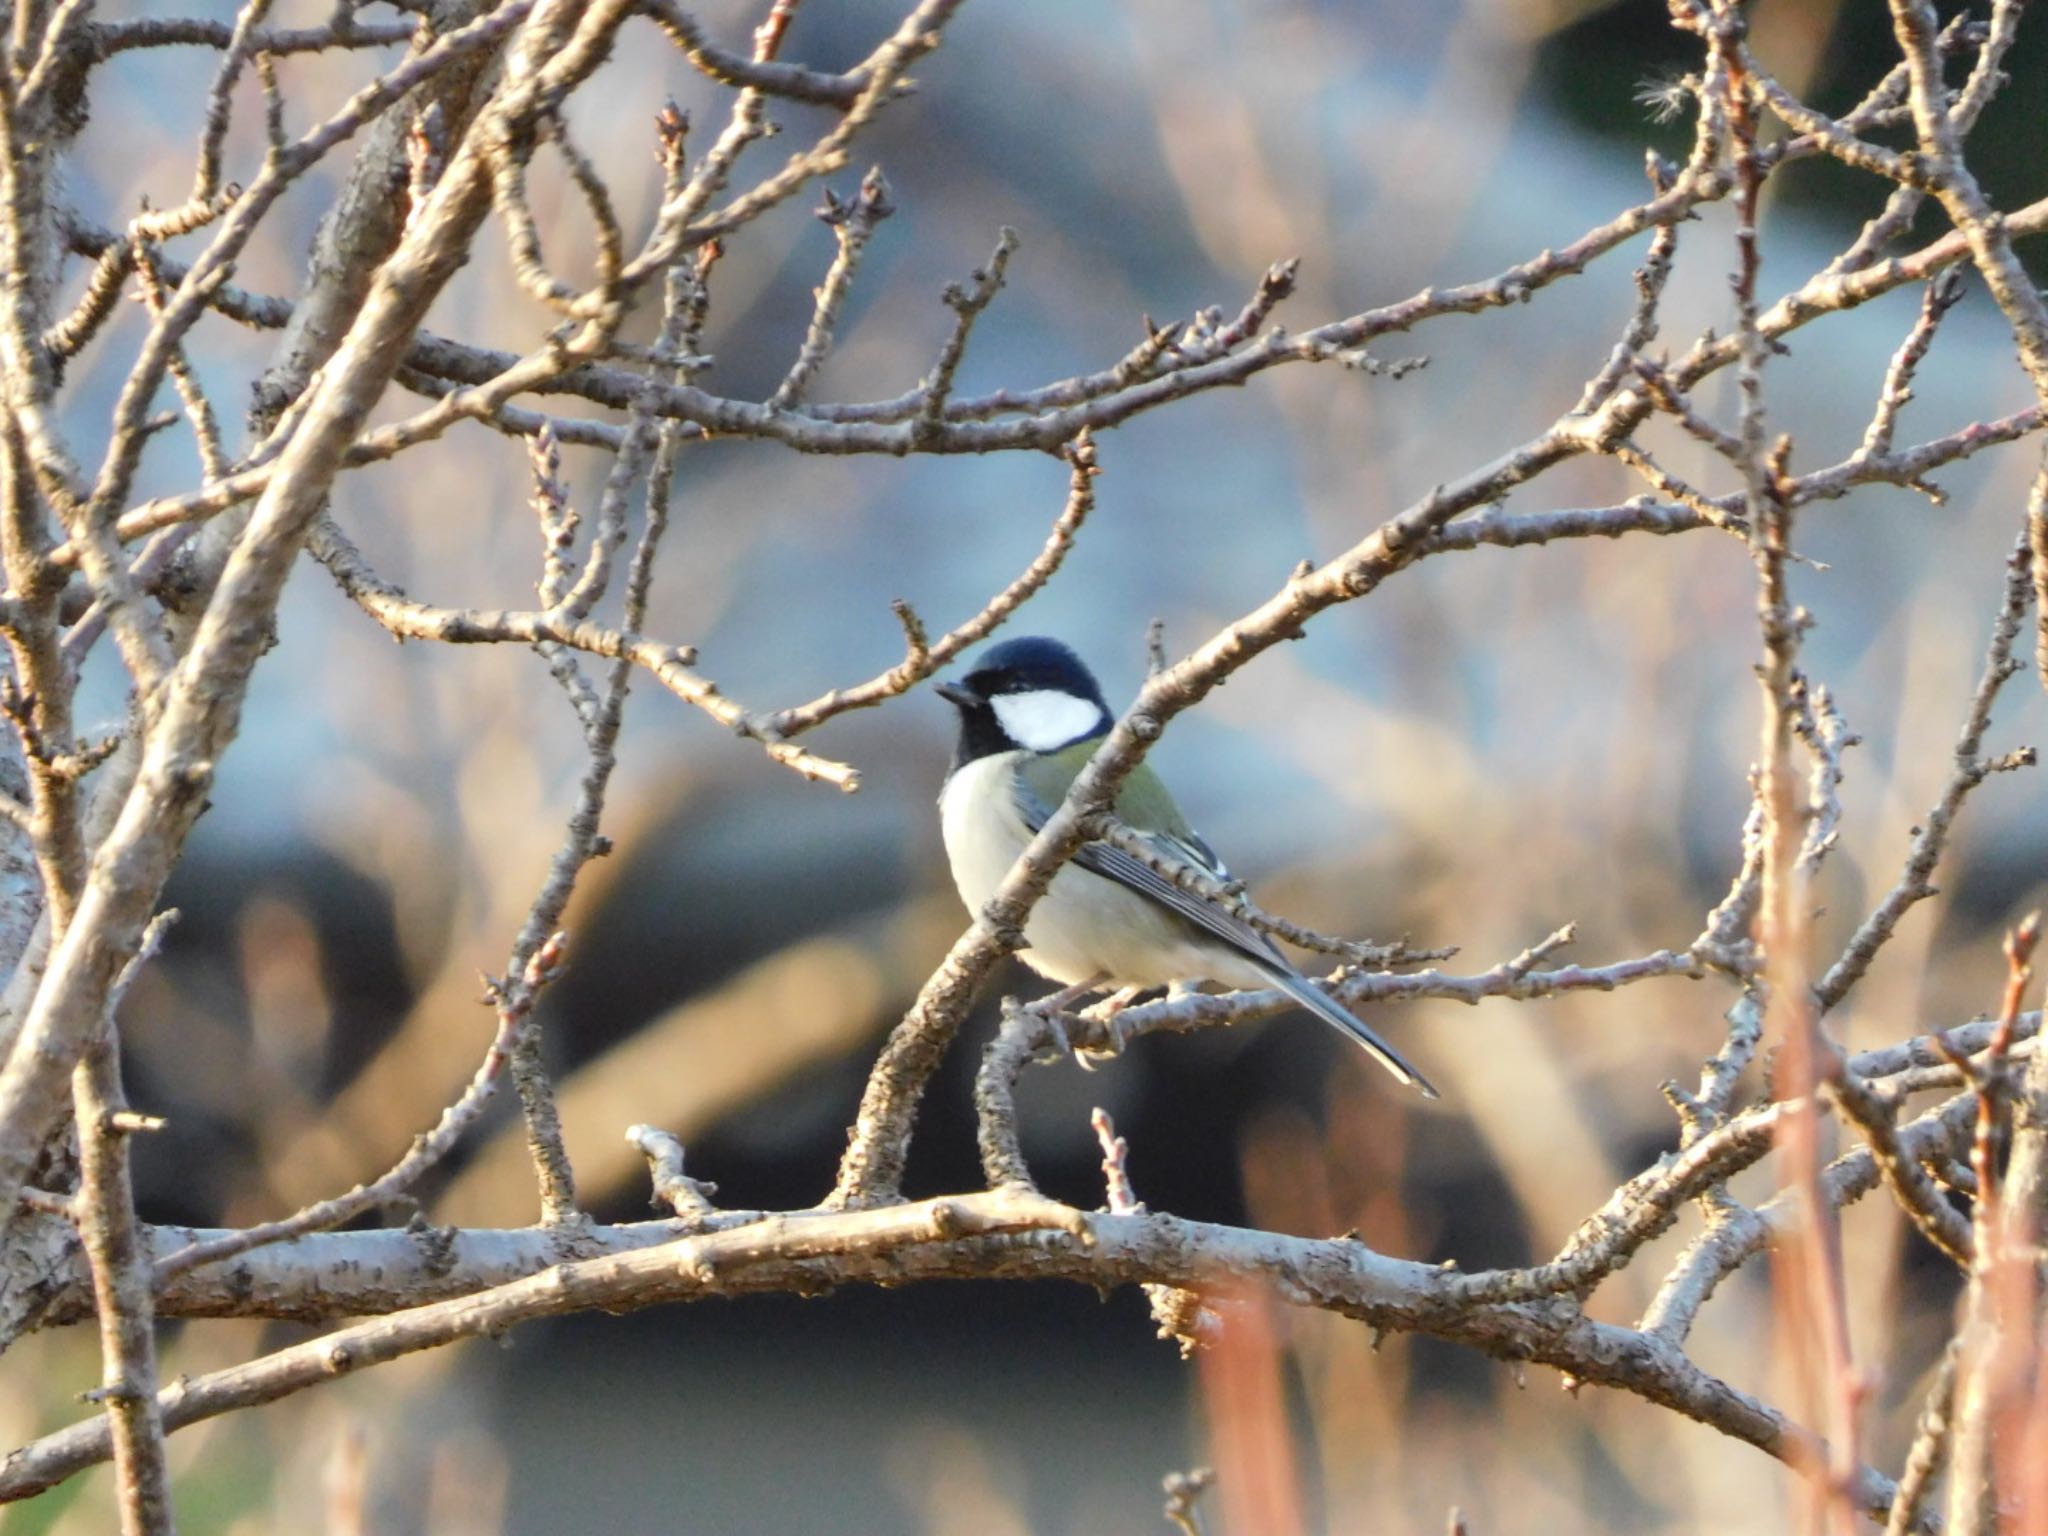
1045 718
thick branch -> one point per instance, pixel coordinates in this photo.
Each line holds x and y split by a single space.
989 1236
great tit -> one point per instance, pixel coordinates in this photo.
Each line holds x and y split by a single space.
1031 716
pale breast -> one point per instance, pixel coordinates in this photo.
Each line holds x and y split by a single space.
983 829
1086 925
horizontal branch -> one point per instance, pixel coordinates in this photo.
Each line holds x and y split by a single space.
771 77
844 430
107 38
1510 979
1739 1234
1926 1051
669 664
986 1236
1501 529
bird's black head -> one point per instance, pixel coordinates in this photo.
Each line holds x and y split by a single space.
1032 693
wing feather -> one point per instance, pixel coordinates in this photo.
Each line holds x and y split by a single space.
1113 863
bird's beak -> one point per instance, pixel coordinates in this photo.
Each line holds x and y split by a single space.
958 695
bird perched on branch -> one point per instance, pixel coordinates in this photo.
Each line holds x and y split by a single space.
1031 716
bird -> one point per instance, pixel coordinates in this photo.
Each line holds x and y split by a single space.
1031 716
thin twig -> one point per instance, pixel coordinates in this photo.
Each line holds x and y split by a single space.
1915 883
1939 298
1181 1314
1996 1338
967 304
112 1237
853 225
927 656
689 1198
1930 1443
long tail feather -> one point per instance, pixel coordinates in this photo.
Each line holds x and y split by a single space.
1330 1011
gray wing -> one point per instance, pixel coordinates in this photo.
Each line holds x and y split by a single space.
1112 863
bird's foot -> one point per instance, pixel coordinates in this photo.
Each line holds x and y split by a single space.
1060 1045
1056 1009
1106 1016
1052 1018
1059 1002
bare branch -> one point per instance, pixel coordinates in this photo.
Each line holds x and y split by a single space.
689 1198
974 1236
927 656
1940 297
1994 1367
1930 1442
201 702
112 1237
854 225
459 626
967 303
1987 233
1180 1314
1915 882
107 38
768 76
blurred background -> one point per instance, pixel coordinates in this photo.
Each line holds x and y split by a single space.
1493 745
